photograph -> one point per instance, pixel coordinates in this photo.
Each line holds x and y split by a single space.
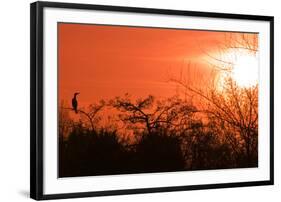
137 99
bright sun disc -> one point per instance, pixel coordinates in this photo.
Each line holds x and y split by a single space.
245 71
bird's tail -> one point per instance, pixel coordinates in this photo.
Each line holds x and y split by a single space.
76 111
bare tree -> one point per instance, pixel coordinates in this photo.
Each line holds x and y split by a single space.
90 117
233 108
92 114
65 122
245 41
150 115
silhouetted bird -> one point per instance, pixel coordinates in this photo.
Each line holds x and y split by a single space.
75 103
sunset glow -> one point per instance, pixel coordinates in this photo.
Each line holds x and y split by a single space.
142 99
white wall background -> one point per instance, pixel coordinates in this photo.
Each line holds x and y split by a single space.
14 100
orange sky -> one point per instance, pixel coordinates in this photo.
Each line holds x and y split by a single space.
102 62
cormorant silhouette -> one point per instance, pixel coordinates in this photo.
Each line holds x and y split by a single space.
75 103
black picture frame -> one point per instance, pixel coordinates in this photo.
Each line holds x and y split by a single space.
36 98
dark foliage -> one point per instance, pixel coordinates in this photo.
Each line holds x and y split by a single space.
159 153
167 136
91 153
87 153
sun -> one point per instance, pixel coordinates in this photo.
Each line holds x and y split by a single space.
245 71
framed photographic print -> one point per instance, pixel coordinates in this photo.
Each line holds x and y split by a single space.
136 100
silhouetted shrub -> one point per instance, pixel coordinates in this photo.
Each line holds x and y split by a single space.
92 153
87 153
159 153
